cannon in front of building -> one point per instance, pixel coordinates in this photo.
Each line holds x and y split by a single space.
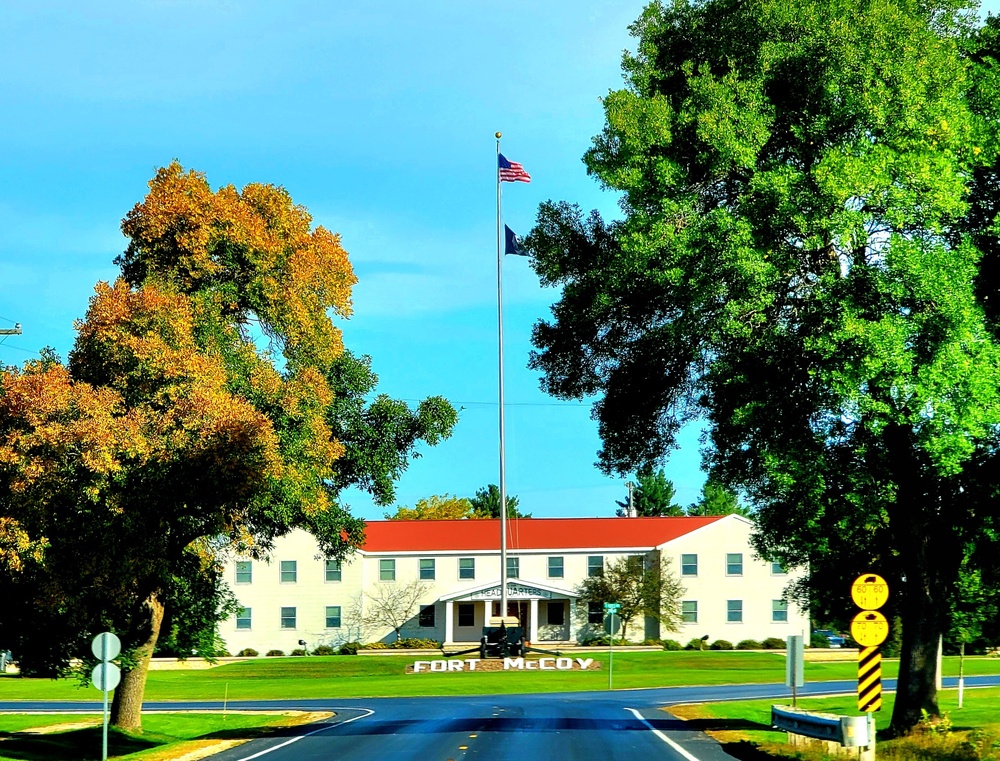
502 642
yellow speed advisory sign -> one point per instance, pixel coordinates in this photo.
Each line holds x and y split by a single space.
869 628
869 591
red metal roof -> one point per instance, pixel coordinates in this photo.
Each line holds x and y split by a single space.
527 534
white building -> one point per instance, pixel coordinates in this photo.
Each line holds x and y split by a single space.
298 595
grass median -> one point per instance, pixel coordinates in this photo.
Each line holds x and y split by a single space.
57 737
971 733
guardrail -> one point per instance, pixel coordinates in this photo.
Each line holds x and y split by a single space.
846 731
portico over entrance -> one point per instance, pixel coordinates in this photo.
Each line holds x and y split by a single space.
545 612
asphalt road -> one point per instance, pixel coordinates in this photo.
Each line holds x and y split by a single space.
624 724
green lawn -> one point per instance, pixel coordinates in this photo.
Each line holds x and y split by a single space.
744 726
163 736
367 676
372 676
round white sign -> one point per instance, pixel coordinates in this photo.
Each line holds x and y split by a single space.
106 676
106 646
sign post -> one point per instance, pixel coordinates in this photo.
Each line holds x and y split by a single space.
869 629
611 623
795 673
106 676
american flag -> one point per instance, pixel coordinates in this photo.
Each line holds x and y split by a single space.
511 171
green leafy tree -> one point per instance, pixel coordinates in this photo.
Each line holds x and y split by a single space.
652 494
716 499
169 427
486 504
380 435
801 266
654 592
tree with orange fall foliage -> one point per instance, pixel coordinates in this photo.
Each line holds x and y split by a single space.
170 428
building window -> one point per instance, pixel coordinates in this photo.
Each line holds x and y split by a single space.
734 564
288 618
332 616
466 614
244 571
427 569
778 568
426 617
243 618
779 611
387 569
557 613
333 570
466 568
689 611
556 567
595 613
734 611
595 565
289 571
513 568
637 562
689 565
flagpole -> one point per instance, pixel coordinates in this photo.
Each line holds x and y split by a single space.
503 484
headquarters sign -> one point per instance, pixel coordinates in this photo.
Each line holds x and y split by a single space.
513 590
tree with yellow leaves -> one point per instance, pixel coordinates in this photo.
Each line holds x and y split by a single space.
169 429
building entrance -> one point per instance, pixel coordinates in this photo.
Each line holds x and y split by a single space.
519 608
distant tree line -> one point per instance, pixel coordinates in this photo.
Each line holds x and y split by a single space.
484 504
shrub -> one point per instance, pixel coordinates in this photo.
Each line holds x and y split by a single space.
602 640
349 648
749 644
721 644
275 652
696 644
324 650
773 643
416 643
649 641
374 646
248 652
672 644
298 651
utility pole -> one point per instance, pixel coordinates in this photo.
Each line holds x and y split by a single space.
15 331
631 507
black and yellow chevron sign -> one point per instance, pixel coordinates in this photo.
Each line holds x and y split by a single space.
869 679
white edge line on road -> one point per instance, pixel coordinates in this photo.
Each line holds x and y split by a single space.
662 736
315 732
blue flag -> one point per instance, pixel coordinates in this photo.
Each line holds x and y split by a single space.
513 243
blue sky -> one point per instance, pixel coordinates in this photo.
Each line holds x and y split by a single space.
379 118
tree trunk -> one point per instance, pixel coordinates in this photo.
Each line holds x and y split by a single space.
126 708
916 689
930 555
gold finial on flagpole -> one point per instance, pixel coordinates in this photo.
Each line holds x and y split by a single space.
499 135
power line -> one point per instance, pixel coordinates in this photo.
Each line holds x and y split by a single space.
566 405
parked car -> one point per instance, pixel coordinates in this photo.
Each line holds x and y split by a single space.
835 640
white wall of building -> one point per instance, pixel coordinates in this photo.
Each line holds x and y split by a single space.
758 588
712 589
